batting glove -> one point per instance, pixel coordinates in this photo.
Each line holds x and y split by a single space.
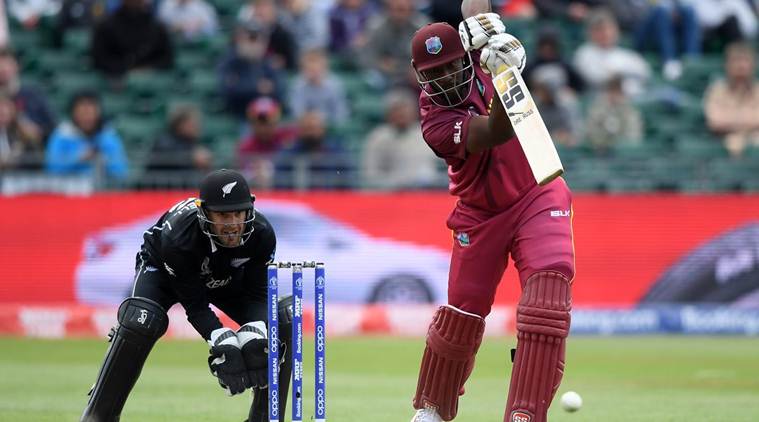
254 343
502 52
477 30
226 361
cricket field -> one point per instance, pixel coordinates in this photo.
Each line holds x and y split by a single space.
372 379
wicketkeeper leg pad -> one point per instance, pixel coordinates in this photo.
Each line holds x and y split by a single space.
259 408
543 320
453 339
141 322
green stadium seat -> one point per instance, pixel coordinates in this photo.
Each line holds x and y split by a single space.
189 62
70 82
630 184
697 186
699 147
582 183
116 104
220 127
668 171
151 83
224 151
204 82
355 85
52 62
227 7
77 41
733 170
138 131
628 151
369 108
25 42
751 185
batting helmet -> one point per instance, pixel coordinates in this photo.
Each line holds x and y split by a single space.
443 68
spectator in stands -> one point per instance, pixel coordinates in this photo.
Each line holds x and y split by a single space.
600 58
347 26
612 119
445 11
731 105
77 14
549 56
314 159
180 148
387 50
245 73
131 39
309 20
726 21
519 9
33 13
190 19
317 89
266 137
281 47
395 155
20 139
574 10
672 27
557 104
85 144
30 101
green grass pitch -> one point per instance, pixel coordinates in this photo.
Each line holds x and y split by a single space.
372 379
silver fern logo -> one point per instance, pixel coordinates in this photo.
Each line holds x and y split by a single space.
227 189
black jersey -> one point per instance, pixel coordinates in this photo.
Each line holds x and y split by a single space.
195 267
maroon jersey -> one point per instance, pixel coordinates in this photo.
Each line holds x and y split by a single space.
490 180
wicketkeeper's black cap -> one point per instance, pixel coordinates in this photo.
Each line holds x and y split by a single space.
225 190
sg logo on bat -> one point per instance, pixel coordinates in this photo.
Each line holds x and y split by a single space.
508 85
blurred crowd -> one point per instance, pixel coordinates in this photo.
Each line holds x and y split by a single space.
319 94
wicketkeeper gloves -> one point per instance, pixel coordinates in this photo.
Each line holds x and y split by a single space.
254 344
226 361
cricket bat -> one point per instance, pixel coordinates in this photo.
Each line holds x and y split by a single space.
525 118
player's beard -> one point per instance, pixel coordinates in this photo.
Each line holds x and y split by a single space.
230 235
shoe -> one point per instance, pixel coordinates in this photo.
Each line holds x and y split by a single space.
426 415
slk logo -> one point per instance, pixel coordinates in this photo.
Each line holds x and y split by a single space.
433 44
457 132
227 189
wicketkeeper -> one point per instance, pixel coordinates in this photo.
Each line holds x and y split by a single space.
210 250
501 211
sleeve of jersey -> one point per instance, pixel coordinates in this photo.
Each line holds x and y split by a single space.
192 295
445 131
256 273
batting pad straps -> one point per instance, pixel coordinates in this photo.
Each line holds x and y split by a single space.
453 339
454 334
544 305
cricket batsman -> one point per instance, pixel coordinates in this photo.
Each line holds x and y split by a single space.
208 250
501 211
